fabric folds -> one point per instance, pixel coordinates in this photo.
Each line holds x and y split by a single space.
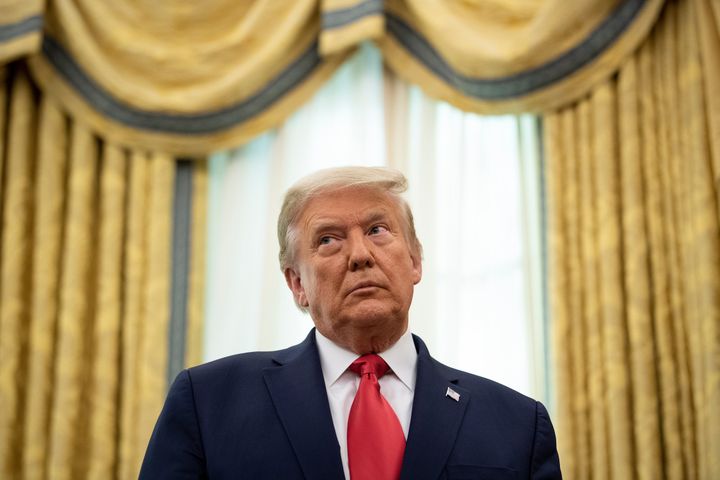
193 78
21 23
196 280
635 269
184 78
346 23
85 284
515 56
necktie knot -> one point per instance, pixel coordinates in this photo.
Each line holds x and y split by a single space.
370 364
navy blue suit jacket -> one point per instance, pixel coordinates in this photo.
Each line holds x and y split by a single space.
265 415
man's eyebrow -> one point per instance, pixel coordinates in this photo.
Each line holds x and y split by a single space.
320 225
323 224
374 216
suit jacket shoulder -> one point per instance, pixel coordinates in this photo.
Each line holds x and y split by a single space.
471 427
253 415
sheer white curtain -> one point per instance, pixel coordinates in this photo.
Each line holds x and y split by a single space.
473 189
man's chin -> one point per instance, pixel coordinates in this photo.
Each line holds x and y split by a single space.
374 319
370 311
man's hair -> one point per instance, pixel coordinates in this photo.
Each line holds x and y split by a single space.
381 179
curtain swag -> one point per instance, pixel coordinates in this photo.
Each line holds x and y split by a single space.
192 78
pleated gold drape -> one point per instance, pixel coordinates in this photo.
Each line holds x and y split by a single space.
634 239
512 56
195 77
187 78
84 293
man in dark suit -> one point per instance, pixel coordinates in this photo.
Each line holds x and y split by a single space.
361 397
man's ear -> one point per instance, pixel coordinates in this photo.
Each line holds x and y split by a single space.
294 283
417 267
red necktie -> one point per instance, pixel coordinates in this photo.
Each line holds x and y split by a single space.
375 439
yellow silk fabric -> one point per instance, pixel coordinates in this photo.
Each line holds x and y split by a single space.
239 68
348 32
13 12
180 58
84 293
196 280
494 40
634 240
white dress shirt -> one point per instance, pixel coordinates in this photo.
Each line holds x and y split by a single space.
397 385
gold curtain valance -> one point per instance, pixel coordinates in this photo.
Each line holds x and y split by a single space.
20 28
186 78
512 56
191 78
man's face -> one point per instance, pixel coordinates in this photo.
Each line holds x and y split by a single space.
353 268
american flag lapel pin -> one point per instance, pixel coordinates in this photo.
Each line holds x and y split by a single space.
452 394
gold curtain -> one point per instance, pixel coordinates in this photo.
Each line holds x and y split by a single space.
192 78
84 292
20 28
634 239
186 78
511 56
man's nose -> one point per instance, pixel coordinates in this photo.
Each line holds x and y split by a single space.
360 252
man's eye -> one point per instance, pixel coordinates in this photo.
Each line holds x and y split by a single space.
377 229
325 240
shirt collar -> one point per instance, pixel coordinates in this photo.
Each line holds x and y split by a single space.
401 357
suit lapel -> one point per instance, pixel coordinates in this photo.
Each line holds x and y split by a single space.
298 392
436 419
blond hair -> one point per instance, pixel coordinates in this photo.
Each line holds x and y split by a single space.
382 179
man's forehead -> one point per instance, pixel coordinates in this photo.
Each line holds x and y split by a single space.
364 205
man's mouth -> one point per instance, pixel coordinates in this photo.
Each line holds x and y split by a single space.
363 287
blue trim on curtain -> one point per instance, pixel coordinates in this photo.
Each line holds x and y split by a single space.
525 82
11 31
341 17
189 124
181 248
